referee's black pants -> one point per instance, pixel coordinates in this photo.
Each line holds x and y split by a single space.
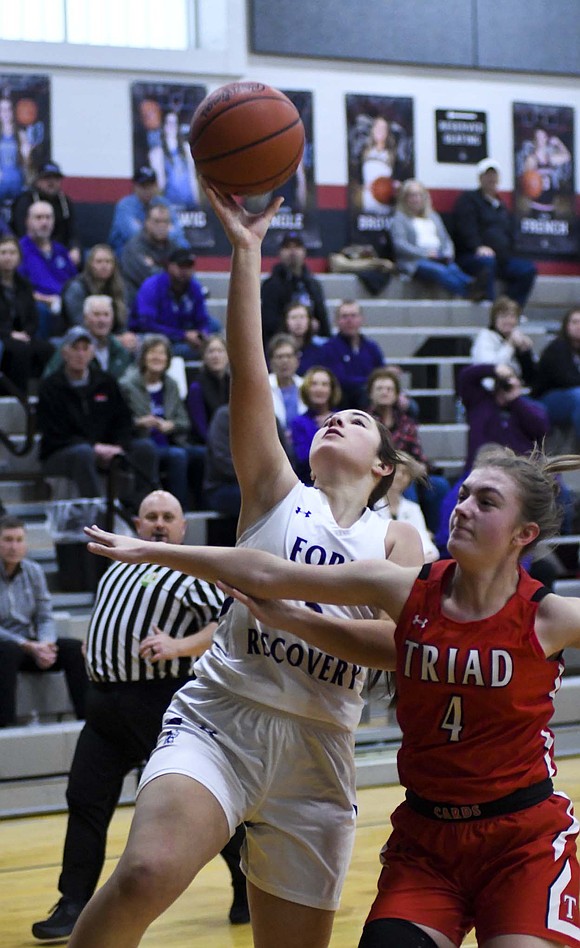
122 725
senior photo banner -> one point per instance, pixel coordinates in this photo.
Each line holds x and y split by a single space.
162 114
24 133
299 213
380 156
544 200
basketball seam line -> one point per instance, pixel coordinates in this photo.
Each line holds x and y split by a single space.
262 180
248 145
212 118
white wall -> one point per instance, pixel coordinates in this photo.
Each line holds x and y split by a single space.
91 104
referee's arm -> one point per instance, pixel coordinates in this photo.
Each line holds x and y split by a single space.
162 647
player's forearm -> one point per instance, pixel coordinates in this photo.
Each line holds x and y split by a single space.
368 642
244 325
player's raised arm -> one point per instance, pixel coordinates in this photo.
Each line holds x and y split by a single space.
262 468
376 583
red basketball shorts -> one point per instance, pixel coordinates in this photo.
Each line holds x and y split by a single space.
503 875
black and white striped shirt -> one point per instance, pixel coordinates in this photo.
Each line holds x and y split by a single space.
130 600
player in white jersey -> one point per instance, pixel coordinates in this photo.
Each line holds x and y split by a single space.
265 732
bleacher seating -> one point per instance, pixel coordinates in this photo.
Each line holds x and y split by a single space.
430 339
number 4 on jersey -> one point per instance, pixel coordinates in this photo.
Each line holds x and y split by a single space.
453 717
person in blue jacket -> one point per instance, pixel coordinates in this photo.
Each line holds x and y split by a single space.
172 303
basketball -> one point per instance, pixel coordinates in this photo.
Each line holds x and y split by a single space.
150 112
382 189
26 111
532 184
246 138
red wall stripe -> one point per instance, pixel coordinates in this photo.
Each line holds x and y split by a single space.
330 197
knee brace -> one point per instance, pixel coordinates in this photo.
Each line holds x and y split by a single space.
394 933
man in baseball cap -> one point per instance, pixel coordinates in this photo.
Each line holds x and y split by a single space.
48 187
173 303
485 165
131 211
75 334
484 237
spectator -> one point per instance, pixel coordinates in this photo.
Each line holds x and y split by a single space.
484 238
101 276
423 248
159 414
109 354
321 394
210 389
24 355
146 630
350 354
501 415
298 323
130 211
284 380
148 251
292 281
172 304
558 380
399 507
503 342
46 264
85 423
220 484
384 393
48 188
28 639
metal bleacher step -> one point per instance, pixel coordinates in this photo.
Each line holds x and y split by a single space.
444 440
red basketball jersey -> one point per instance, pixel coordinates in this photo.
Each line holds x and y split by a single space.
475 698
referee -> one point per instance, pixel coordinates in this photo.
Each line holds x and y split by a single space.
149 623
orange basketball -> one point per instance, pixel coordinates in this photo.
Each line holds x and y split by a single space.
532 184
26 111
150 112
382 189
246 138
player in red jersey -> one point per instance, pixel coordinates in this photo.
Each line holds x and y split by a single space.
482 838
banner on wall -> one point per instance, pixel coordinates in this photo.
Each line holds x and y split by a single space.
461 136
24 133
544 179
380 156
300 211
162 114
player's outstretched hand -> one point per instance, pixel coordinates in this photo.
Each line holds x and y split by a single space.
242 228
114 546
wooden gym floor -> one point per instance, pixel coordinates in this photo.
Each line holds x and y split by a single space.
30 854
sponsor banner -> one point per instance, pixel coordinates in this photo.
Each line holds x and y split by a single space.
461 136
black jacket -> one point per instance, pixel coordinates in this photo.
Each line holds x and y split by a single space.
65 230
558 367
93 413
20 314
478 223
283 287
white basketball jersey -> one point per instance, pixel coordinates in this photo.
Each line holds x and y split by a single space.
276 668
